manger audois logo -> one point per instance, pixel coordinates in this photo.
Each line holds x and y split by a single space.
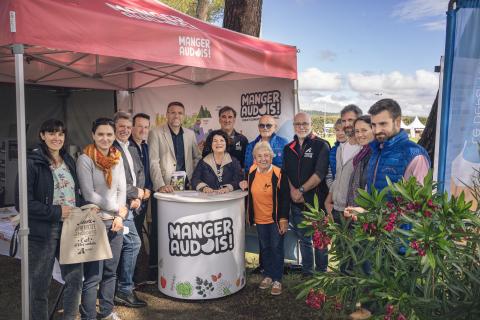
256 104
191 239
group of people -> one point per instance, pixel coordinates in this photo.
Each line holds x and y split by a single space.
127 162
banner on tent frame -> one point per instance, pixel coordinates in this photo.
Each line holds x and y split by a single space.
251 99
463 146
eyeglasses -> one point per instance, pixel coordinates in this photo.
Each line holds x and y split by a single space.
301 124
265 126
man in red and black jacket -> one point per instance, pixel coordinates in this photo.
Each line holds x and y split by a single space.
305 163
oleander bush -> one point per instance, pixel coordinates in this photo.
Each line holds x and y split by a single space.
413 254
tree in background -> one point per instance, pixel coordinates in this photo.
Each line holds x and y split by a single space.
244 16
206 10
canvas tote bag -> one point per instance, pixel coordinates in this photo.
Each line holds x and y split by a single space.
84 237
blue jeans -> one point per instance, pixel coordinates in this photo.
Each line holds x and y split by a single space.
271 247
128 259
103 273
41 260
306 248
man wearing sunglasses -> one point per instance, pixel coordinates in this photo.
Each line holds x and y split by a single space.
266 127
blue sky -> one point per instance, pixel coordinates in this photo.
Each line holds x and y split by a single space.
357 51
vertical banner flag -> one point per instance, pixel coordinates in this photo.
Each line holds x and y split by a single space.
463 143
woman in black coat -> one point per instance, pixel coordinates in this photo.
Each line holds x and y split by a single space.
218 171
53 190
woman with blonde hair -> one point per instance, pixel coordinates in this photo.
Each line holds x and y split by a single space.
268 208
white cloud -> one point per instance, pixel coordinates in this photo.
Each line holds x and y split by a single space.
419 9
430 12
314 79
414 92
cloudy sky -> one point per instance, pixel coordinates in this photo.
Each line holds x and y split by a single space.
354 51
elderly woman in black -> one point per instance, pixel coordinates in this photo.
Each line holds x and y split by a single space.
53 190
218 171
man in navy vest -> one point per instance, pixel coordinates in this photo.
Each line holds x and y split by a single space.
393 154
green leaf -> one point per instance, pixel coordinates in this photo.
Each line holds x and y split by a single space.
431 258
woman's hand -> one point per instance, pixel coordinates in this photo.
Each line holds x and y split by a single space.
223 190
243 185
122 212
351 212
207 190
66 211
117 224
283 226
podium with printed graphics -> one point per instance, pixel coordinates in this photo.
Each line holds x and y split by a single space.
201 244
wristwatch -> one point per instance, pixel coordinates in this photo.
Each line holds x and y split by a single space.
301 189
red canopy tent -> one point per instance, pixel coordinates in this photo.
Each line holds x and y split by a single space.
119 45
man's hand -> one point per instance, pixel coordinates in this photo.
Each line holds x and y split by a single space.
66 211
166 189
223 190
146 194
117 224
283 226
296 195
352 212
135 203
140 193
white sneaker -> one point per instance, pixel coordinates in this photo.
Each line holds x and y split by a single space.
112 316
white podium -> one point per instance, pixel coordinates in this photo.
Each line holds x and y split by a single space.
201 244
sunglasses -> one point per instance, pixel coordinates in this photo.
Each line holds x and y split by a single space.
265 126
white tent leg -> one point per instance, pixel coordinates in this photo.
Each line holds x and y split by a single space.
22 175
295 97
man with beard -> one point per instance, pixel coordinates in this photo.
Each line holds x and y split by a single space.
337 197
393 154
305 163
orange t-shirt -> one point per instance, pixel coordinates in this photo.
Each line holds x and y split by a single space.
262 194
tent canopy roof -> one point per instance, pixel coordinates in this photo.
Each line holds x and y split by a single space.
416 124
125 44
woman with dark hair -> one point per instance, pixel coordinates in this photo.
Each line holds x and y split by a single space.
364 135
53 190
102 181
218 171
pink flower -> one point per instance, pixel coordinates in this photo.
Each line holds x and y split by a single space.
430 203
401 317
388 227
365 227
390 205
390 308
427 214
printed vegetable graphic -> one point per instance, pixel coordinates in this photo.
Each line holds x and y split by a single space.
217 277
203 287
163 282
184 289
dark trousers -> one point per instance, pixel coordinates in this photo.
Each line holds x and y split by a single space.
306 248
103 273
271 247
41 258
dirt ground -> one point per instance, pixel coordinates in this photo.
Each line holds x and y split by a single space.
249 303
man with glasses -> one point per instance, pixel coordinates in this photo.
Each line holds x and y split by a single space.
238 142
305 162
266 127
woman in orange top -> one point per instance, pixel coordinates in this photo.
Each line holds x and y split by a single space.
268 207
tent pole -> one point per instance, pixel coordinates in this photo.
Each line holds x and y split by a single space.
295 96
18 51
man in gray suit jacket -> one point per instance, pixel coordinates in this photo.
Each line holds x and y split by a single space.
135 177
172 148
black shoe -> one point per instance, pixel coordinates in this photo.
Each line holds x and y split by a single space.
257 270
129 300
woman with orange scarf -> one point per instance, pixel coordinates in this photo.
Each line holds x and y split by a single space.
102 182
